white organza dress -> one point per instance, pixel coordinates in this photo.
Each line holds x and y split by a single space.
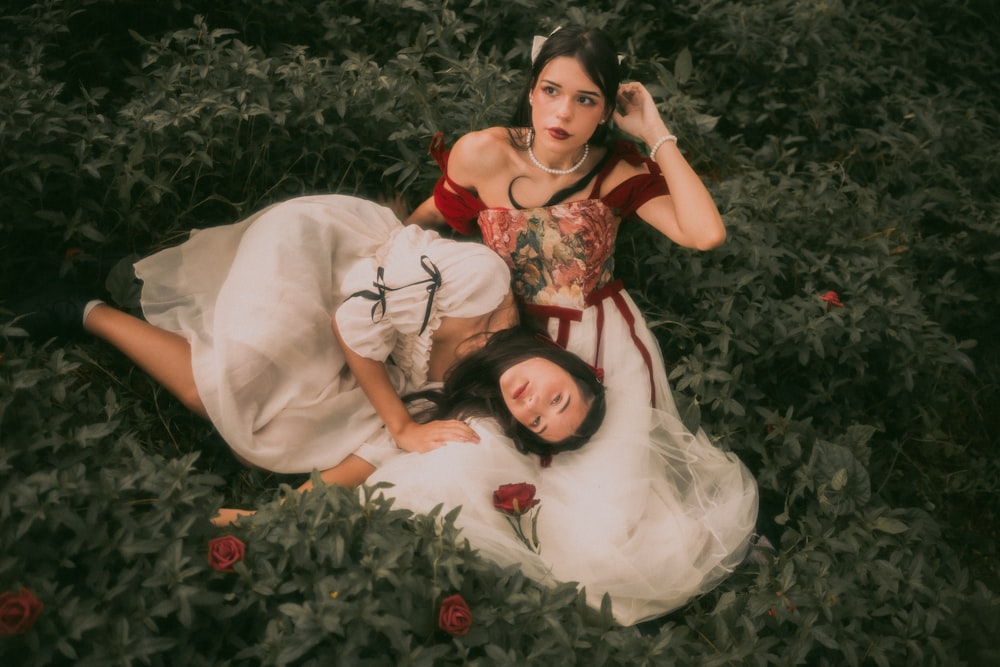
645 512
255 300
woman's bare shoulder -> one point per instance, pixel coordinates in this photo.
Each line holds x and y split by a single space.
480 153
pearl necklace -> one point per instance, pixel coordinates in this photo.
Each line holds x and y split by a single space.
550 170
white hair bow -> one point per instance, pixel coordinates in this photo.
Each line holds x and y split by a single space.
538 41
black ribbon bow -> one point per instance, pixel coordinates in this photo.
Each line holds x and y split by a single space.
433 282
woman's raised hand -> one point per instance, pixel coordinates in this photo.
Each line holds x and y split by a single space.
416 437
638 114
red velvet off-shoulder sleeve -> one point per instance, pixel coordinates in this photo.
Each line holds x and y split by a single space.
630 194
459 207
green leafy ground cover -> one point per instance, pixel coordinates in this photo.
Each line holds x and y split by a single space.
851 147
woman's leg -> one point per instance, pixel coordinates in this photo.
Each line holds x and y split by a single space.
163 354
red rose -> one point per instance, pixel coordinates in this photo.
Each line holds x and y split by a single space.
515 499
832 300
455 617
224 551
18 612
71 253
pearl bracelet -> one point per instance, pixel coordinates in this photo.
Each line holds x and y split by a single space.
659 142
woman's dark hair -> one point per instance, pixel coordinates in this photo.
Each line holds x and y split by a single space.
472 389
594 50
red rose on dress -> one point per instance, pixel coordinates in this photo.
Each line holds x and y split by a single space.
18 611
224 552
455 617
832 300
515 499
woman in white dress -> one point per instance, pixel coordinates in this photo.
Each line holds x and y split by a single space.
239 327
664 514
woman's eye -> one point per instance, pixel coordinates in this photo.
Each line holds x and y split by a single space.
557 399
586 101
549 90
535 422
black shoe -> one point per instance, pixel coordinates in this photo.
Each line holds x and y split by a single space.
48 314
761 551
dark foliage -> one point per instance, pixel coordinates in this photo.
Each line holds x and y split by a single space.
851 147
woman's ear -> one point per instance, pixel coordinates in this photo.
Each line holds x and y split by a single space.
609 111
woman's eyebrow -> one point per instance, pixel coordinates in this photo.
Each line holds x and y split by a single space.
561 410
595 93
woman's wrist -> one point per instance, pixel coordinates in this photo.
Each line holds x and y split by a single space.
665 137
397 427
653 131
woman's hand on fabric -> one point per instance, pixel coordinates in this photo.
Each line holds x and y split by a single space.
638 114
416 437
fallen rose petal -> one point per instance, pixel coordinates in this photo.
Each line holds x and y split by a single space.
832 299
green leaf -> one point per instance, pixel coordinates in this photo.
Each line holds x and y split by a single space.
683 66
890 525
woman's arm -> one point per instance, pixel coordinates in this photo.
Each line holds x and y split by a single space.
477 161
408 434
426 215
688 215
350 472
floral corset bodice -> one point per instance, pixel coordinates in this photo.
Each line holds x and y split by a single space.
557 254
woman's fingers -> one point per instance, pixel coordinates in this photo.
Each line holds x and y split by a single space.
444 432
630 93
459 430
429 436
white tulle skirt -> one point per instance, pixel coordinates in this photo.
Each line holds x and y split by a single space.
646 512
254 299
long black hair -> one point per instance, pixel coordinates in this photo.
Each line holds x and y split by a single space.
594 50
472 389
